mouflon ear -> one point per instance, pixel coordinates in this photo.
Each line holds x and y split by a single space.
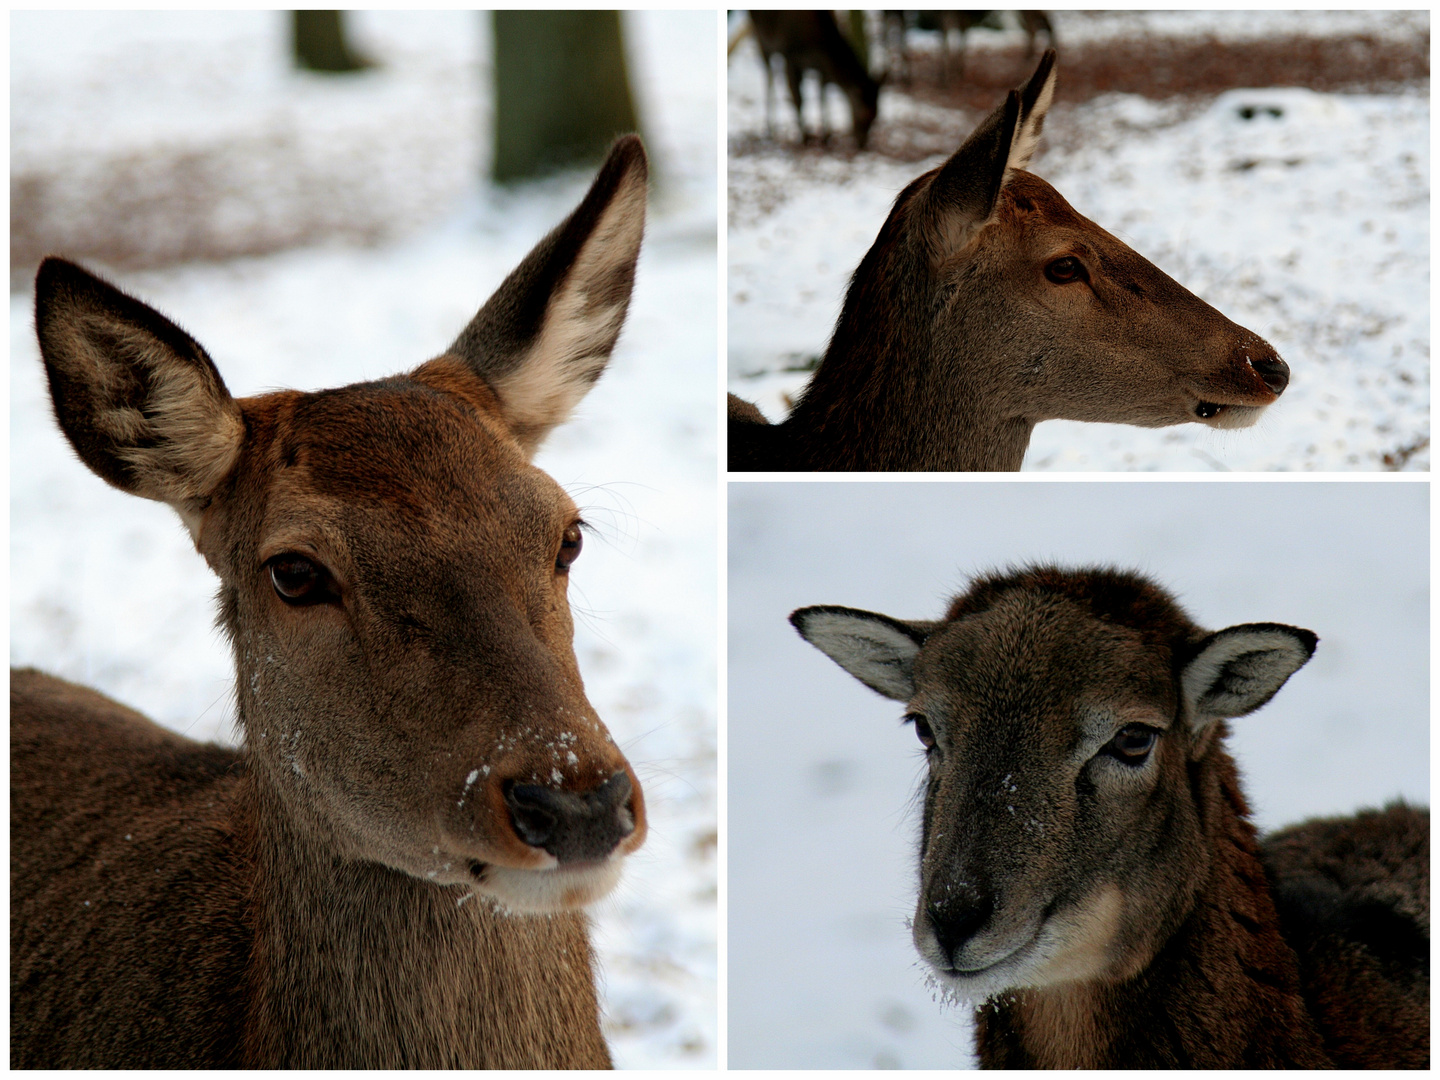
876 649
546 335
138 398
961 197
1239 669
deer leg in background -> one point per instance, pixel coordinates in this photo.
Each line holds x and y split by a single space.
769 93
795 77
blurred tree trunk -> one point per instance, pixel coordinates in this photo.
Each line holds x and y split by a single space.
320 43
561 89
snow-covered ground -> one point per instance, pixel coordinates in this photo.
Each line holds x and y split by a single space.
822 775
106 588
1302 216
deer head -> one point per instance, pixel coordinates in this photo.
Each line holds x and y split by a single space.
393 568
987 305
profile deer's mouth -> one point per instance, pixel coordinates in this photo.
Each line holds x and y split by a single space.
1222 415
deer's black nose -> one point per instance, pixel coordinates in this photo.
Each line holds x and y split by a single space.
574 827
1274 371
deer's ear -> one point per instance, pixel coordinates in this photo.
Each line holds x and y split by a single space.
1036 97
962 196
876 649
138 398
545 336
1239 669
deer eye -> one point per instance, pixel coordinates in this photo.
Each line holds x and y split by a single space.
1064 270
570 542
923 731
299 580
1132 744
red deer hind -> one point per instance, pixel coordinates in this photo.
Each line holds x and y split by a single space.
987 305
391 870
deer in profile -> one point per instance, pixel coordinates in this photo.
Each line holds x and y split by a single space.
987 305
1089 876
812 41
391 870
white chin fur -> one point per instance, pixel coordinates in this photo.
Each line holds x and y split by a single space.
1073 945
559 889
1009 974
1238 416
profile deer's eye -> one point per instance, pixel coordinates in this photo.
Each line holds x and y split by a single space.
1064 270
299 580
1132 744
570 542
923 731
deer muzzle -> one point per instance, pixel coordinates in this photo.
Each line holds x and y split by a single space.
574 827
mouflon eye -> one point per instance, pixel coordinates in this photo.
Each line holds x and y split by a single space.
299 580
1064 270
1132 744
570 542
923 731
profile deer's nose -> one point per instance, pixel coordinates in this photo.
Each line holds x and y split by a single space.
573 827
958 918
1274 371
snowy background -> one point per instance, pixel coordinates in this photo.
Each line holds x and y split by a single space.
1310 228
106 588
822 818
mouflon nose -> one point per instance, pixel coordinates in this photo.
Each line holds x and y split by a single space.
958 918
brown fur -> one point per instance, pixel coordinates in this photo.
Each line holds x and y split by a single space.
350 888
953 343
1310 950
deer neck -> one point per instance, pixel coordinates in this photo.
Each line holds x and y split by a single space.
1222 992
887 408
358 965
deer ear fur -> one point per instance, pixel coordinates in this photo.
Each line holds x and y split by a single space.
1239 669
138 398
546 335
876 649
961 198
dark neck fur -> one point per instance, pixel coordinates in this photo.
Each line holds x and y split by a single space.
881 400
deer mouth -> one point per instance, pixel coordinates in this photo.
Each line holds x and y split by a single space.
1226 415
1220 415
560 888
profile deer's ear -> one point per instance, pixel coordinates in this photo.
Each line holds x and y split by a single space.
1239 669
876 649
545 336
961 197
138 398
